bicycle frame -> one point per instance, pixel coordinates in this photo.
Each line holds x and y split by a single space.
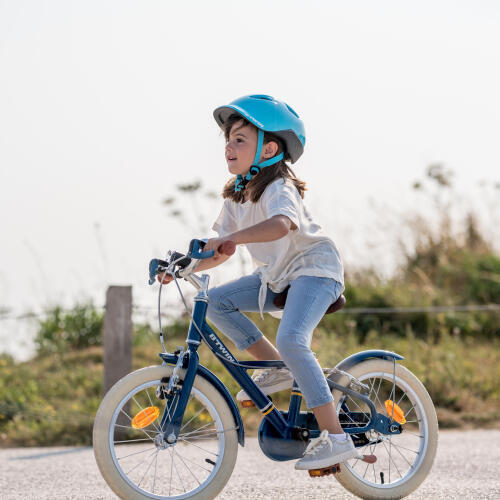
200 331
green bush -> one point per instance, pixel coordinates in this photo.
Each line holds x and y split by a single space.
63 330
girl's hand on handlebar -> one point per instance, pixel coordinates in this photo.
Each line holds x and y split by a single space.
164 278
219 245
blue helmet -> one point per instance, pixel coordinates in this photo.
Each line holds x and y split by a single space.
269 115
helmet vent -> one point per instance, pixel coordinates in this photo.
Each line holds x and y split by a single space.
291 110
263 97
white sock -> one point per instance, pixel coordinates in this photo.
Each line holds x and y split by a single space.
339 437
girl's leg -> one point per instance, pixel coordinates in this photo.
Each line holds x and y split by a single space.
263 349
307 301
224 310
327 418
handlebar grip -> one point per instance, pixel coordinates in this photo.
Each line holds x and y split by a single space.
227 248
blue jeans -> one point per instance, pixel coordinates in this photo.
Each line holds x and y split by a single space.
308 299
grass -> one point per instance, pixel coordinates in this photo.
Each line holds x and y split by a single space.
52 399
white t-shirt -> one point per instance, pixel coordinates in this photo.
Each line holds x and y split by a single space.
305 251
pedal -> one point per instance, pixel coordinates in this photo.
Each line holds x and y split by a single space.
326 471
369 459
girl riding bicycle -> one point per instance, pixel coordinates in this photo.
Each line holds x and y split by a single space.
263 210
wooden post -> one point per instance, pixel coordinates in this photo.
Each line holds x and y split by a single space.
117 335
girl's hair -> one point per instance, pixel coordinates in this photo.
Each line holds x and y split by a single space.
258 184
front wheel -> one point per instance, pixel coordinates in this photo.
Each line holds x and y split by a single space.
403 460
137 464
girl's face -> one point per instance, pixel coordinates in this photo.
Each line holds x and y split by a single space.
241 147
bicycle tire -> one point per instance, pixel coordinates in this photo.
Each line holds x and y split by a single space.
371 372
131 388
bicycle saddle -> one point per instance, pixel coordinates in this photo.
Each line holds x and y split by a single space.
280 300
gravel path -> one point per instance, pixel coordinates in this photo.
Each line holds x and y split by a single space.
71 473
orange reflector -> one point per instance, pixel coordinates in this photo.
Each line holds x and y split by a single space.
247 403
326 471
398 414
145 417
315 472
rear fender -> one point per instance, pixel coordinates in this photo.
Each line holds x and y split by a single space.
354 359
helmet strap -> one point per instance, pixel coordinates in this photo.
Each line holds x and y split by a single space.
240 181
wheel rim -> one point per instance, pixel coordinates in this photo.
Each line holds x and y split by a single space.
176 471
399 456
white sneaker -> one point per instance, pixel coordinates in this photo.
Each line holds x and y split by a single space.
325 451
269 380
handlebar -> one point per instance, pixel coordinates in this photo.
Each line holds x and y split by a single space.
227 248
183 261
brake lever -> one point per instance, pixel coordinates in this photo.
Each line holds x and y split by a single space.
154 264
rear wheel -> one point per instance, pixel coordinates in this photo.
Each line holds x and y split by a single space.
403 460
138 464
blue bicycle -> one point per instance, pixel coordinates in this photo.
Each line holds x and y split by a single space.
172 431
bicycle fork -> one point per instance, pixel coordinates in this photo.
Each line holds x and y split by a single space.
177 393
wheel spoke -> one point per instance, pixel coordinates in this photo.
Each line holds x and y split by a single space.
378 390
154 477
391 459
212 434
136 453
197 446
168 407
404 458
192 418
175 467
134 429
149 467
390 450
366 470
361 453
409 411
141 459
194 463
349 417
407 449
128 416
140 463
133 440
414 434
188 468
399 455
171 466
399 400
149 397
142 409
196 430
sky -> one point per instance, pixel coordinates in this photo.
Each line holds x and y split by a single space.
106 107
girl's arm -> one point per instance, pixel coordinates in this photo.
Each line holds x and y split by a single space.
214 261
269 230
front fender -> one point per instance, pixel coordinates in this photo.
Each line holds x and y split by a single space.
214 380
354 359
